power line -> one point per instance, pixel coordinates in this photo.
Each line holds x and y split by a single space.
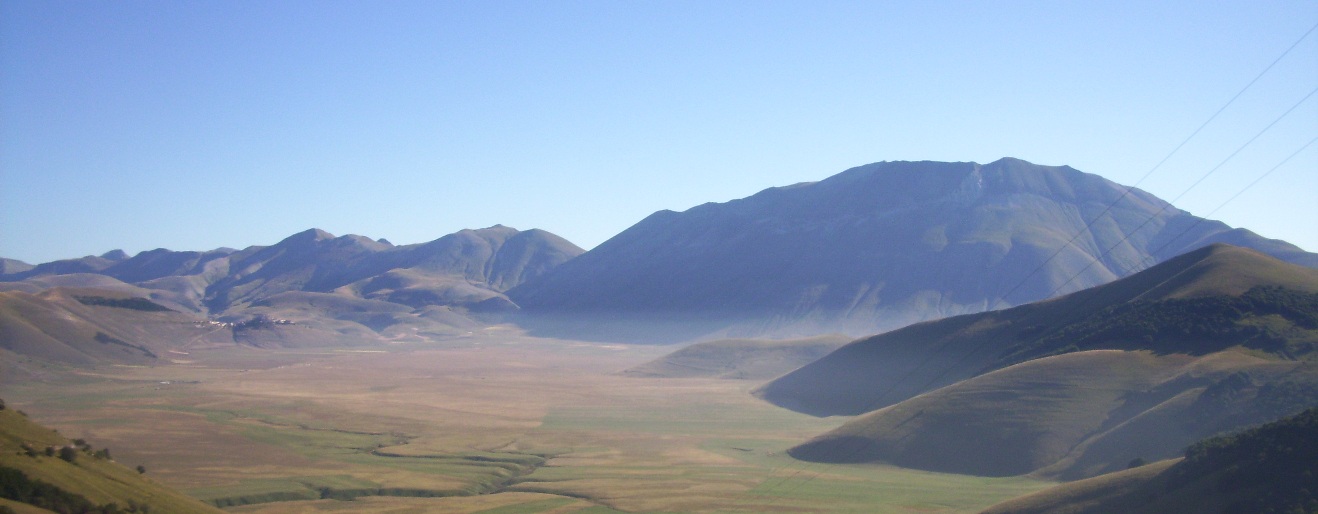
1123 239
974 350
1087 228
1232 198
1188 189
1223 108
1154 216
1108 209
992 305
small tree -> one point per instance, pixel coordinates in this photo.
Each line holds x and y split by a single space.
141 469
68 453
1136 462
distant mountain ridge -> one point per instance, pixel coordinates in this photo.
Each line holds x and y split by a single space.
335 290
873 248
497 258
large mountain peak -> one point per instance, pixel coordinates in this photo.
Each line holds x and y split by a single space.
872 248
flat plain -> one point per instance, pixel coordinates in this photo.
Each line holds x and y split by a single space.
494 422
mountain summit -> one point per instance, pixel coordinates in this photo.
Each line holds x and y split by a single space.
870 249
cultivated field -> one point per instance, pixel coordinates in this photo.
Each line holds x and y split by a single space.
495 422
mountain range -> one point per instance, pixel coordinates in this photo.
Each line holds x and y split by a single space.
489 260
311 288
1012 318
871 249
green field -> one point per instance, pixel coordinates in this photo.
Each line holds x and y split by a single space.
493 424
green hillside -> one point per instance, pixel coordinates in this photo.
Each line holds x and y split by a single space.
1274 319
1075 415
1204 301
1264 470
1081 385
39 466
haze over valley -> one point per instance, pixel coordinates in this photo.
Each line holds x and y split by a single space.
515 257
410 369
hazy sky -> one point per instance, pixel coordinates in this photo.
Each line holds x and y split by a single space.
194 125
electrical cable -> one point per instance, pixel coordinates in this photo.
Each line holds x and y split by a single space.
1089 225
974 350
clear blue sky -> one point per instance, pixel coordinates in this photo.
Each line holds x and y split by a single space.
194 125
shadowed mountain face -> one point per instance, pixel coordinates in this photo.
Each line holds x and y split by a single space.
334 290
1214 340
871 249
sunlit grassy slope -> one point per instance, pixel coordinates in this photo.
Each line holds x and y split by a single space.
100 481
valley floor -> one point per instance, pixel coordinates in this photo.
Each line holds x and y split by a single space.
492 423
